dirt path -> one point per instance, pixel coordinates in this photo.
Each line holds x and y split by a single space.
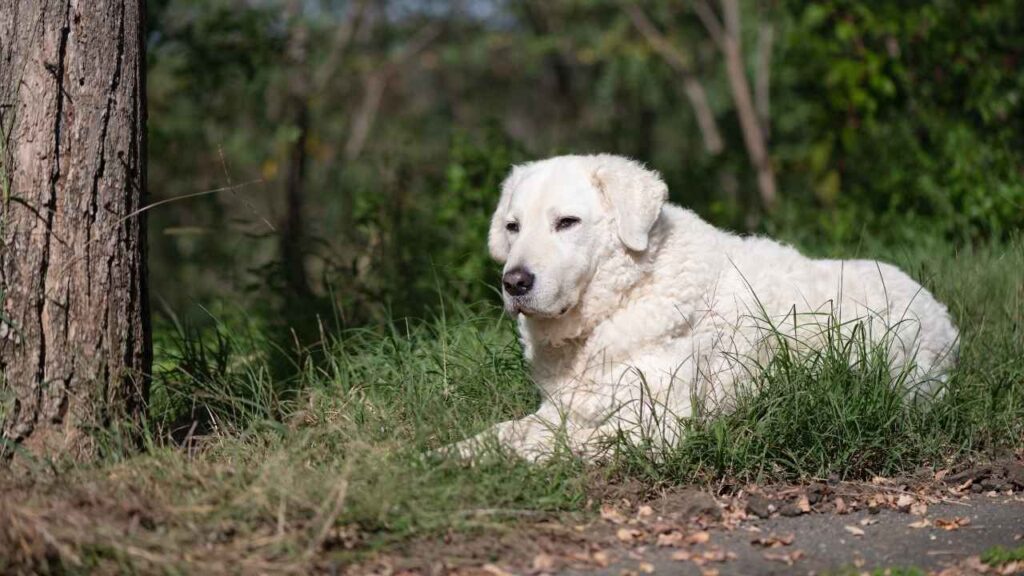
935 522
829 542
941 525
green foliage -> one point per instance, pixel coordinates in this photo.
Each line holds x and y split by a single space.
888 120
382 397
998 555
895 128
462 215
893 110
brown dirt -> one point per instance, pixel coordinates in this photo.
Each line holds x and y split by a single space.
635 522
97 526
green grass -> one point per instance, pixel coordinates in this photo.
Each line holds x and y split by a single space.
372 405
998 555
839 411
331 460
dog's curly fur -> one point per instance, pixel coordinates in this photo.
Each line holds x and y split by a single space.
640 304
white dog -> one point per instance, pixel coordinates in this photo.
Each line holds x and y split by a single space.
627 305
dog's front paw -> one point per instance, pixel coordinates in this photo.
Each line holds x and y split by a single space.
465 451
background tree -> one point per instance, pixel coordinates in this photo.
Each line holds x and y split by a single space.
751 108
75 346
851 118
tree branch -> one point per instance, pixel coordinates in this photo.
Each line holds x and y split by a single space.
710 21
339 47
373 93
731 16
762 75
754 138
375 85
292 238
670 52
680 62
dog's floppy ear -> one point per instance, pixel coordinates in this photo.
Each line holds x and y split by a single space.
635 194
497 238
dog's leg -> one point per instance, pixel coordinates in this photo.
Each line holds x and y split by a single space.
535 437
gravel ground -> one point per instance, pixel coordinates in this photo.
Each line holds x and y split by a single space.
829 543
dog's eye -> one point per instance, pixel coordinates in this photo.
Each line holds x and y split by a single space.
566 222
512 227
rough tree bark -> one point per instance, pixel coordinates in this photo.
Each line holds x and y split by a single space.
75 344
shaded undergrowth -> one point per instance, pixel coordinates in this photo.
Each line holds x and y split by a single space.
329 463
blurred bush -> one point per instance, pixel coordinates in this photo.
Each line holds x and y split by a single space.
907 113
385 128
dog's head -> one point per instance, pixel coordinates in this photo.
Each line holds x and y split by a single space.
558 218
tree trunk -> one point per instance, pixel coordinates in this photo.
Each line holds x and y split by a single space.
754 135
75 342
293 234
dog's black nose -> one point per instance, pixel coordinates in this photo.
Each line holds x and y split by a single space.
517 281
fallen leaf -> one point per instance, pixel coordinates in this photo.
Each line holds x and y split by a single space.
612 515
646 568
733 512
919 509
941 474
951 524
702 558
922 523
975 564
682 556
967 484
868 521
644 511
601 558
1015 567
709 572
543 563
495 570
579 556
698 537
714 555
904 502
773 541
673 538
787 558
854 530
841 507
662 527
628 534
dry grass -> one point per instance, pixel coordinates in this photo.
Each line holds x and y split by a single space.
245 473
